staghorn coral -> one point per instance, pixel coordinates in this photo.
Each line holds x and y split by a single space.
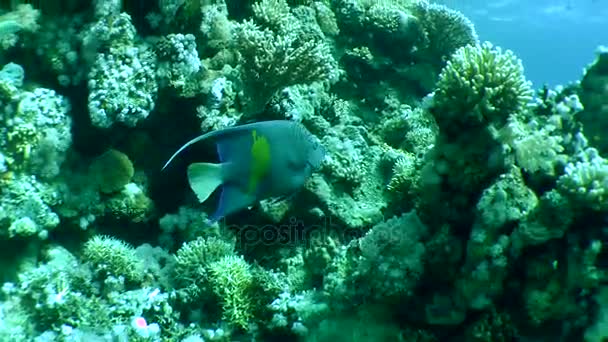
112 257
231 280
192 263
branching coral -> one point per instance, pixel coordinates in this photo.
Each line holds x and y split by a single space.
112 257
495 179
445 30
192 264
586 181
480 85
270 62
231 280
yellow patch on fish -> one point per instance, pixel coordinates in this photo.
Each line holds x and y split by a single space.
260 160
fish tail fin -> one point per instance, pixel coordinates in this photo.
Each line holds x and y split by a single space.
204 178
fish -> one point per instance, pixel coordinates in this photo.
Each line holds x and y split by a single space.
257 161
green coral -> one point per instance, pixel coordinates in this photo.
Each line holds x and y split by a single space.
112 257
56 292
550 219
480 84
270 62
404 174
231 280
192 263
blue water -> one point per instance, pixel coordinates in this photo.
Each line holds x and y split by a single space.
555 39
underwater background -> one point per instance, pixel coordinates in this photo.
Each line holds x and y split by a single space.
463 194
567 31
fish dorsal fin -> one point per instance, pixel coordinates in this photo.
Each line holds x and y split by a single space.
209 135
193 141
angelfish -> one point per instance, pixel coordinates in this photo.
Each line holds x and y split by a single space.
257 161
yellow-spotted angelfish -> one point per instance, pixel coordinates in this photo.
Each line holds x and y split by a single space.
257 161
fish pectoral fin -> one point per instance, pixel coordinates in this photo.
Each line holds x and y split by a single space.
204 178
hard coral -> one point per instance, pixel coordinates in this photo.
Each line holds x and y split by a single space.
112 171
586 181
37 132
231 280
178 62
594 97
270 62
391 256
23 18
112 257
122 87
26 207
480 85
193 260
445 30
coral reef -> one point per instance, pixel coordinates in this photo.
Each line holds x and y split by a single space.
454 202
